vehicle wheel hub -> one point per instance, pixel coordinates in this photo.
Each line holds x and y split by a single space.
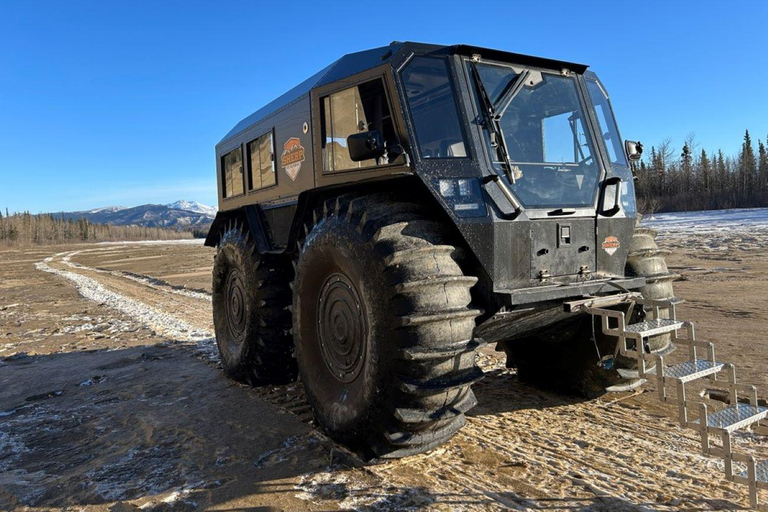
235 303
341 327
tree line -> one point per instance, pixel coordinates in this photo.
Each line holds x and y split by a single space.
27 229
697 180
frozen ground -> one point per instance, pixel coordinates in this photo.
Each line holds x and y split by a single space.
109 403
741 228
708 221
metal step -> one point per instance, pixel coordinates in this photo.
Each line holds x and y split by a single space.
654 327
692 370
735 417
761 472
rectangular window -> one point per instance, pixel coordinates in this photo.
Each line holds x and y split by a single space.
357 109
261 162
433 108
232 173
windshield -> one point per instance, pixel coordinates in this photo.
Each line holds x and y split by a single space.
550 153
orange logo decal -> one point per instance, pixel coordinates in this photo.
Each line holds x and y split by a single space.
293 155
611 245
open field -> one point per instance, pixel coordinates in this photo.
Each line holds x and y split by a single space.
112 399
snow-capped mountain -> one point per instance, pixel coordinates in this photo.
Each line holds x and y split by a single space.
107 209
178 215
193 206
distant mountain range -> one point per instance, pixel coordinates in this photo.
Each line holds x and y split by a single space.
178 215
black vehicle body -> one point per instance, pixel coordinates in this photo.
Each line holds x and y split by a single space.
528 259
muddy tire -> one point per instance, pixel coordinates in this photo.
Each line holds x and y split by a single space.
383 326
251 296
645 259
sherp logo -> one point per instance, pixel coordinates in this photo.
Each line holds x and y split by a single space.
611 245
293 155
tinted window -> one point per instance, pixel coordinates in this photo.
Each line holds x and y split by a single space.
354 110
433 108
232 175
261 162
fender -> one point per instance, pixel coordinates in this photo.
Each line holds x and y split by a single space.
250 217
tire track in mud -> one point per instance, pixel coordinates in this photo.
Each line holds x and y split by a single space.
150 301
521 449
130 302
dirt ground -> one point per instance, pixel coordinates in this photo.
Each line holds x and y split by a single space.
111 398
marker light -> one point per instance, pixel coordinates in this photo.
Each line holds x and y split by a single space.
463 196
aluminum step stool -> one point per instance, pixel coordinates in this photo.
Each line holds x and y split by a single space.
722 423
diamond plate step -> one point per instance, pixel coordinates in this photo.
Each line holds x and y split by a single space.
735 417
761 472
654 327
692 370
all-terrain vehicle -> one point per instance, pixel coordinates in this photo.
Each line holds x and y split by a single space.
408 204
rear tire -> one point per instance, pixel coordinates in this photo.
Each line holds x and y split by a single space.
383 327
251 296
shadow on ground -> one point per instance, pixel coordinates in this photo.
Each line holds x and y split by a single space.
158 427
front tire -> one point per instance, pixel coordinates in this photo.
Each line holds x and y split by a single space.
645 259
251 296
383 327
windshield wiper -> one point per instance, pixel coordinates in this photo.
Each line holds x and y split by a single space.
492 117
510 91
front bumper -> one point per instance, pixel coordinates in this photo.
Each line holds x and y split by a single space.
556 291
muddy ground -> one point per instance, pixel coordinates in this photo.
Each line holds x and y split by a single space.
111 398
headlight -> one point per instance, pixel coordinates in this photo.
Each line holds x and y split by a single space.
464 196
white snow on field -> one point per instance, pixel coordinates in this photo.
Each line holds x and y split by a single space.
164 324
743 220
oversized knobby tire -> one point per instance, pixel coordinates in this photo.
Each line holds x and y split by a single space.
251 299
383 326
645 259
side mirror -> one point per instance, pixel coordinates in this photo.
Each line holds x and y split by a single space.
365 145
634 149
611 200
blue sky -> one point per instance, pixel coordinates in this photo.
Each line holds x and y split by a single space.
122 103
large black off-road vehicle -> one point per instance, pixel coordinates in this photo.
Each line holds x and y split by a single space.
406 205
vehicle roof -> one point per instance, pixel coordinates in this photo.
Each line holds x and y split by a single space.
354 63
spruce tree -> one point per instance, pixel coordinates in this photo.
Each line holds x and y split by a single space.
705 173
747 169
762 171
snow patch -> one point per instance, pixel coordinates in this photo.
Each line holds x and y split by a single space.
744 220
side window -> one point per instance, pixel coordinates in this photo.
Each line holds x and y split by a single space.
607 124
232 173
357 109
261 162
433 108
